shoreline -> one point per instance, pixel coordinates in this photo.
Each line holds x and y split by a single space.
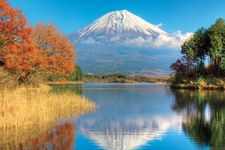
115 80
198 87
172 86
62 83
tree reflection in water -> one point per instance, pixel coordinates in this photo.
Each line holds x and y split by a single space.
60 138
205 116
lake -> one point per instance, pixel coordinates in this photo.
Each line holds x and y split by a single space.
149 117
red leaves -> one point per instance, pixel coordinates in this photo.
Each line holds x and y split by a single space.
57 53
17 49
24 50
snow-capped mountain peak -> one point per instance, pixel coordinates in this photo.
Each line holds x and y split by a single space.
117 23
126 28
138 46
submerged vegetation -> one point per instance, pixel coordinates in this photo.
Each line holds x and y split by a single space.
203 62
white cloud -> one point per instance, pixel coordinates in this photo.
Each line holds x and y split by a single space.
171 41
89 41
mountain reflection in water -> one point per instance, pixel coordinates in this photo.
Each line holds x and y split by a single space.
151 116
128 116
144 117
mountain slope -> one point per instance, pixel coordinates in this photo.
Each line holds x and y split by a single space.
136 45
119 25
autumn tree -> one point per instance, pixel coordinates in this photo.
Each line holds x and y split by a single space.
57 54
18 54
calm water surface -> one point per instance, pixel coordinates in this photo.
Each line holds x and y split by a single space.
150 117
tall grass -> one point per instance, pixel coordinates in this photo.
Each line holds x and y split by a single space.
27 113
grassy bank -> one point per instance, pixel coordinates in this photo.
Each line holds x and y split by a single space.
202 83
27 113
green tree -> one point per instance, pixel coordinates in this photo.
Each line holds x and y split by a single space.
217 43
195 49
76 75
205 43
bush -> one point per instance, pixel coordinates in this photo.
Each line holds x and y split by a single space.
76 75
116 75
201 81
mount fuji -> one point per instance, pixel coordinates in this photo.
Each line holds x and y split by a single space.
121 42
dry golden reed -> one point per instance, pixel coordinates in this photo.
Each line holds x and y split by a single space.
26 113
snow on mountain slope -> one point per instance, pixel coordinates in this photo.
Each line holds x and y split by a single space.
120 22
126 28
121 42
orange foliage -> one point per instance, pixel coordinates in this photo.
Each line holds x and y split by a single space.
17 50
24 50
57 53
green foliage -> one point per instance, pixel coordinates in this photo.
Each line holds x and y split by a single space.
200 67
216 47
116 75
201 81
195 48
76 75
222 65
204 43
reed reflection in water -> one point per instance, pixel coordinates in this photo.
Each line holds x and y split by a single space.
28 113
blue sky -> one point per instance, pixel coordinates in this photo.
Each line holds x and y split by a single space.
70 15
